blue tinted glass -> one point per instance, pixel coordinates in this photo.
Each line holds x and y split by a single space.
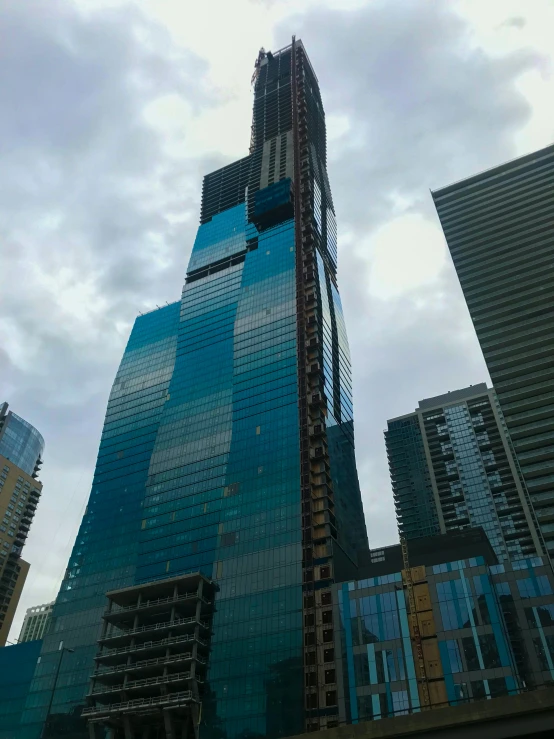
199 466
544 585
526 588
21 443
502 588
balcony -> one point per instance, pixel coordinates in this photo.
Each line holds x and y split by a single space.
145 666
178 624
150 658
145 683
114 655
141 704
158 605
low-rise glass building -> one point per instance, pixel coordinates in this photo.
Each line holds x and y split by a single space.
17 666
485 630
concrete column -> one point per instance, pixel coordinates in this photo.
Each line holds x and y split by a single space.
199 603
105 625
129 733
195 719
136 624
185 729
168 651
276 166
193 661
168 722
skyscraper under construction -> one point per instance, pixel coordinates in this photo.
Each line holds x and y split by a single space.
227 452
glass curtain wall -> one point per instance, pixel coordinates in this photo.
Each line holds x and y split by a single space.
199 462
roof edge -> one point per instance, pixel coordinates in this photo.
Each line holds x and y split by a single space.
502 167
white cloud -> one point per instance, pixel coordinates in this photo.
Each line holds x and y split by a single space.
503 26
406 253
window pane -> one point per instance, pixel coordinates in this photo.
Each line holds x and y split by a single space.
470 653
489 650
454 655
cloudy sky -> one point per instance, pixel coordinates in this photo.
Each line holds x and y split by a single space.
112 112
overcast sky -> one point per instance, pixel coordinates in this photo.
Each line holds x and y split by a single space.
113 111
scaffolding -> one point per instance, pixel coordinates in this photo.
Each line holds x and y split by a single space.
414 630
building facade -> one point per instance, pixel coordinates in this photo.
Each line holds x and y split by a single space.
36 622
20 442
414 497
153 651
228 444
21 449
499 229
452 467
17 667
486 630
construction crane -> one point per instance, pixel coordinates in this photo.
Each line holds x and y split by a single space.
415 632
257 64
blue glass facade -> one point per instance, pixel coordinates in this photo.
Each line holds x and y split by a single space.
17 665
223 491
105 555
488 631
20 442
200 465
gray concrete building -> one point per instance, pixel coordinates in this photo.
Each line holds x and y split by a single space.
499 226
452 467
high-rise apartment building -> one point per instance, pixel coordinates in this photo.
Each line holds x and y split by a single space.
227 451
21 449
499 226
452 467
36 622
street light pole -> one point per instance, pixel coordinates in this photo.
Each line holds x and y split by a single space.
62 650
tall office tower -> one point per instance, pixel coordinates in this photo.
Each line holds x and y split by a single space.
499 226
228 450
35 623
452 467
21 449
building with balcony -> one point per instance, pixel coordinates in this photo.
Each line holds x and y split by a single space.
20 493
452 467
152 662
499 226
